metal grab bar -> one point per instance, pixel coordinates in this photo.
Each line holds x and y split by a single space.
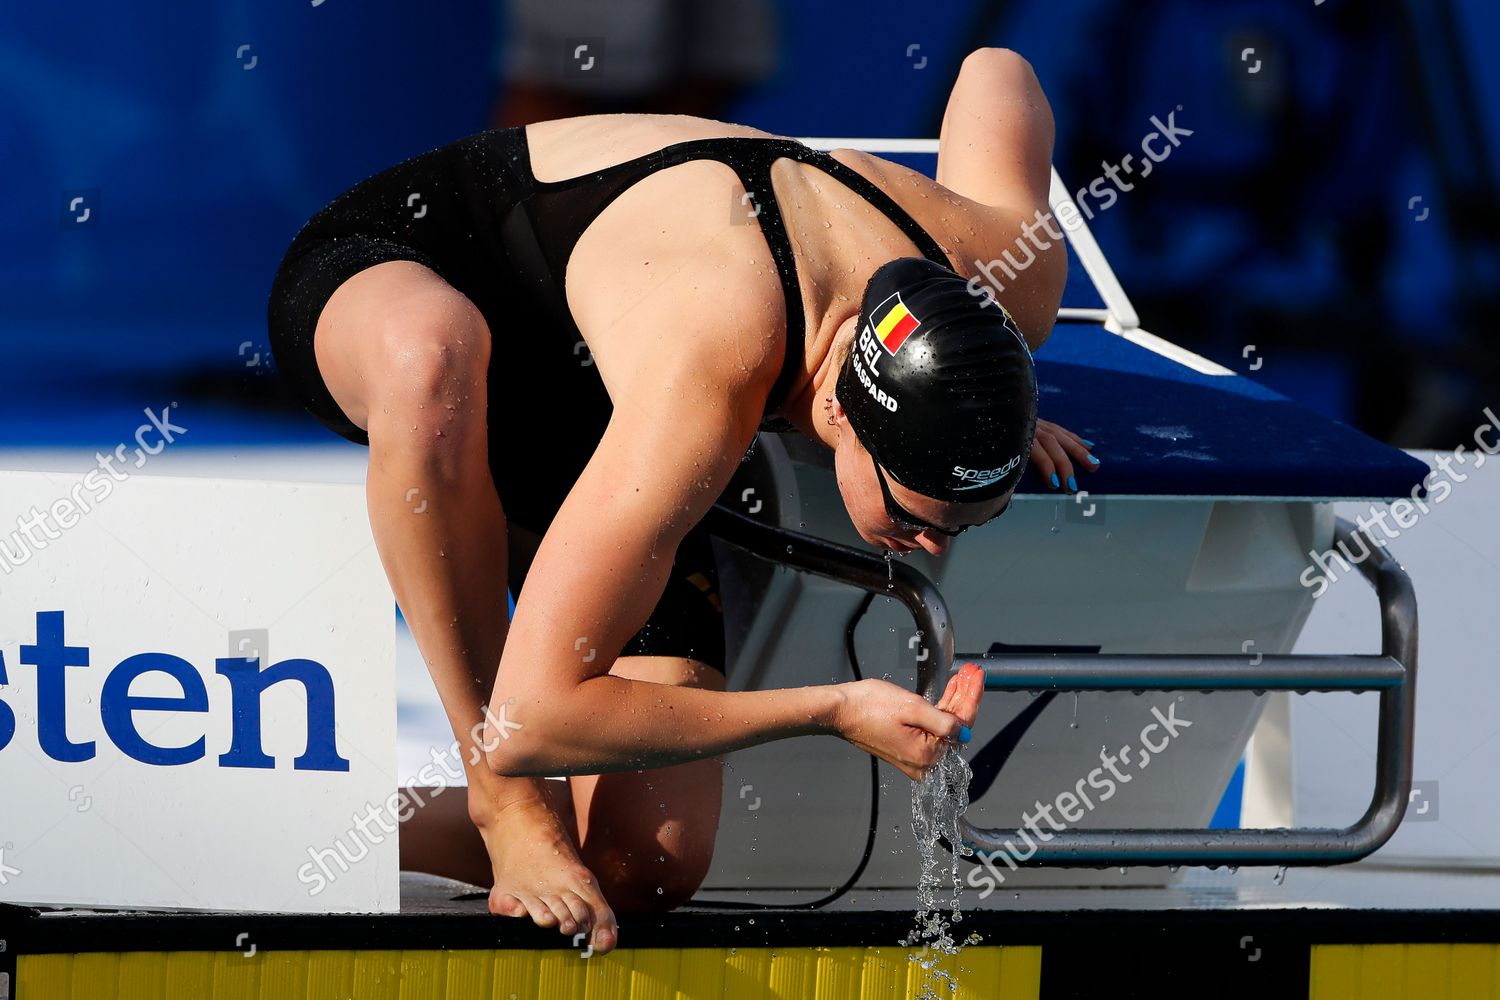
860 569
1393 673
1188 672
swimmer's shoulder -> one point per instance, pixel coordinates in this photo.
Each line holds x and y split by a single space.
954 221
973 234
568 147
690 294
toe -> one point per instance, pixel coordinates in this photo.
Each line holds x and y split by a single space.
578 908
541 913
562 916
506 905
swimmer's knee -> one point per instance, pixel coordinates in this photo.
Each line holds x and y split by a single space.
428 389
640 872
434 348
655 886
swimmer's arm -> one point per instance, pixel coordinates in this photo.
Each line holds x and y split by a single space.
667 454
996 149
996 142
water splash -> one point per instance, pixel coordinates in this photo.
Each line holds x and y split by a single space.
937 802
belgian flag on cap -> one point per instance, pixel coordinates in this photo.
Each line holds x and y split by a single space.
893 323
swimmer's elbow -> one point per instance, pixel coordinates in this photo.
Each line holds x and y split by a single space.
506 763
997 62
512 758
536 739
517 745
1000 84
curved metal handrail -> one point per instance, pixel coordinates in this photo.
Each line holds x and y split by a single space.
1392 672
846 565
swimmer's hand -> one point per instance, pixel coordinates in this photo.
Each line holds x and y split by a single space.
900 726
1058 454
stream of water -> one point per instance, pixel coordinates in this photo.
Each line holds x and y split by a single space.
937 802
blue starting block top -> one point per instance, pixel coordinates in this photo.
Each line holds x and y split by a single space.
1161 428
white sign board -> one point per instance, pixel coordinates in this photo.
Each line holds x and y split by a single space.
196 695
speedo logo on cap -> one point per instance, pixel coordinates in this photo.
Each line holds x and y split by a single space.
973 479
893 323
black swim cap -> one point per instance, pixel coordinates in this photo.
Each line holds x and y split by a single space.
939 384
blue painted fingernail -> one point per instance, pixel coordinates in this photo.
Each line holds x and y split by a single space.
964 735
1072 484
1088 443
1055 483
1093 460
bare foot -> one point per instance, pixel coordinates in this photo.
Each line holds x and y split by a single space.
538 874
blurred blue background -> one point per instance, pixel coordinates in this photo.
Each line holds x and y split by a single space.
1334 207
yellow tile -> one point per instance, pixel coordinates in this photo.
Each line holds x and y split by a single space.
1426 972
559 974
1020 973
1380 971
606 977
746 973
838 972
95 977
143 974
1471 972
43 975
794 973
978 973
654 974
235 976
330 974
884 973
702 974
471 974
421 976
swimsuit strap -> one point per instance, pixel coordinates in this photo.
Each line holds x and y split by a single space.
562 210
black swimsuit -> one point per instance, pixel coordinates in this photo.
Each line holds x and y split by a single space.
473 212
